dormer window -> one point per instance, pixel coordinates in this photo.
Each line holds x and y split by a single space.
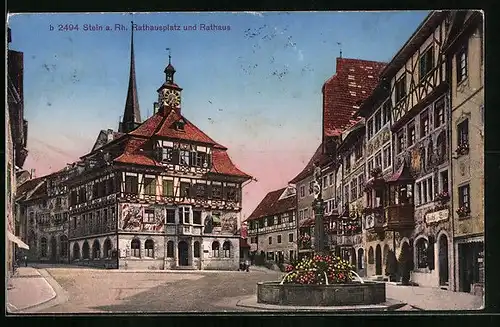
179 125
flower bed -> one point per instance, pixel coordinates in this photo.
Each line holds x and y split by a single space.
313 271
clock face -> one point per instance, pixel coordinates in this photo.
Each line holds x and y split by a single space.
170 97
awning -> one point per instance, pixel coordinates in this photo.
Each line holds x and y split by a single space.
13 238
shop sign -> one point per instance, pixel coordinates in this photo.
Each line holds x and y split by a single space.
436 216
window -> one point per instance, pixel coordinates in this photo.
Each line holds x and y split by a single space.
184 215
439 112
461 62
185 188
378 121
463 133
184 157
386 112
370 165
149 216
325 181
149 246
424 124
201 159
330 179
291 217
270 221
302 191
311 183
354 189
279 239
149 186
196 249
270 240
167 155
170 216
346 194
168 187
348 162
411 134
443 181
278 218
400 138
358 151
387 156
170 249
135 247
426 62
253 239
290 237
361 185
216 191
64 245
421 249
200 190
369 128
424 191
464 196
131 185
378 160
400 89
215 249
231 193
197 217
301 215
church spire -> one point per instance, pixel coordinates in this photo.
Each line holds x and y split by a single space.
131 114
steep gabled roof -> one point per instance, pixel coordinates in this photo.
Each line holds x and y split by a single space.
272 205
26 187
222 164
308 169
352 83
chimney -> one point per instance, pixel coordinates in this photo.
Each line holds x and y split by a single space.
32 173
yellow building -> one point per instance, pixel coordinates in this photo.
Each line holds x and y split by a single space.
466 58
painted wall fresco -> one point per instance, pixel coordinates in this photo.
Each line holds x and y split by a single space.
132 218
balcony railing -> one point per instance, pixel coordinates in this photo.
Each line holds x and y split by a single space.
399 216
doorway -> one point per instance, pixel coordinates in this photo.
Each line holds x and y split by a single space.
443 261
53 249
183 253
378 260
470 263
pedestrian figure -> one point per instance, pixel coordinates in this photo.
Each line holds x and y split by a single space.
247 264
25 260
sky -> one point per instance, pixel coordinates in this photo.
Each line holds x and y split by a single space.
254 87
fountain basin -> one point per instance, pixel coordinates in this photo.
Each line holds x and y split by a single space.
354 293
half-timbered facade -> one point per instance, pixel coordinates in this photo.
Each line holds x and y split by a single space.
465 49
346 228
160 195
417 195
273 226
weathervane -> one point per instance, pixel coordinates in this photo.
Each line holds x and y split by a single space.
169 55
340 46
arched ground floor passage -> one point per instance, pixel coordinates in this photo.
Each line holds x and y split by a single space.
158 252
50 247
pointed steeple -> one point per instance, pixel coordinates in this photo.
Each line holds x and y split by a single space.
169 70
131 114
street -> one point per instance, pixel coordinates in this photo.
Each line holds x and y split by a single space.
97 290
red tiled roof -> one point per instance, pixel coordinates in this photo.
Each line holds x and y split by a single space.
352 83
222 164
308 169
162 125
272 205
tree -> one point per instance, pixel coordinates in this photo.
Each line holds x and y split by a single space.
406 264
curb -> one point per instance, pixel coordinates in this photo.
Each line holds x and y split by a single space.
357 308
34 306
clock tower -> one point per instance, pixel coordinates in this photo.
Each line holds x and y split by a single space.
169 94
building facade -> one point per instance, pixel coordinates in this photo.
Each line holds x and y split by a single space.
16 129
465 49
273 226
160 195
